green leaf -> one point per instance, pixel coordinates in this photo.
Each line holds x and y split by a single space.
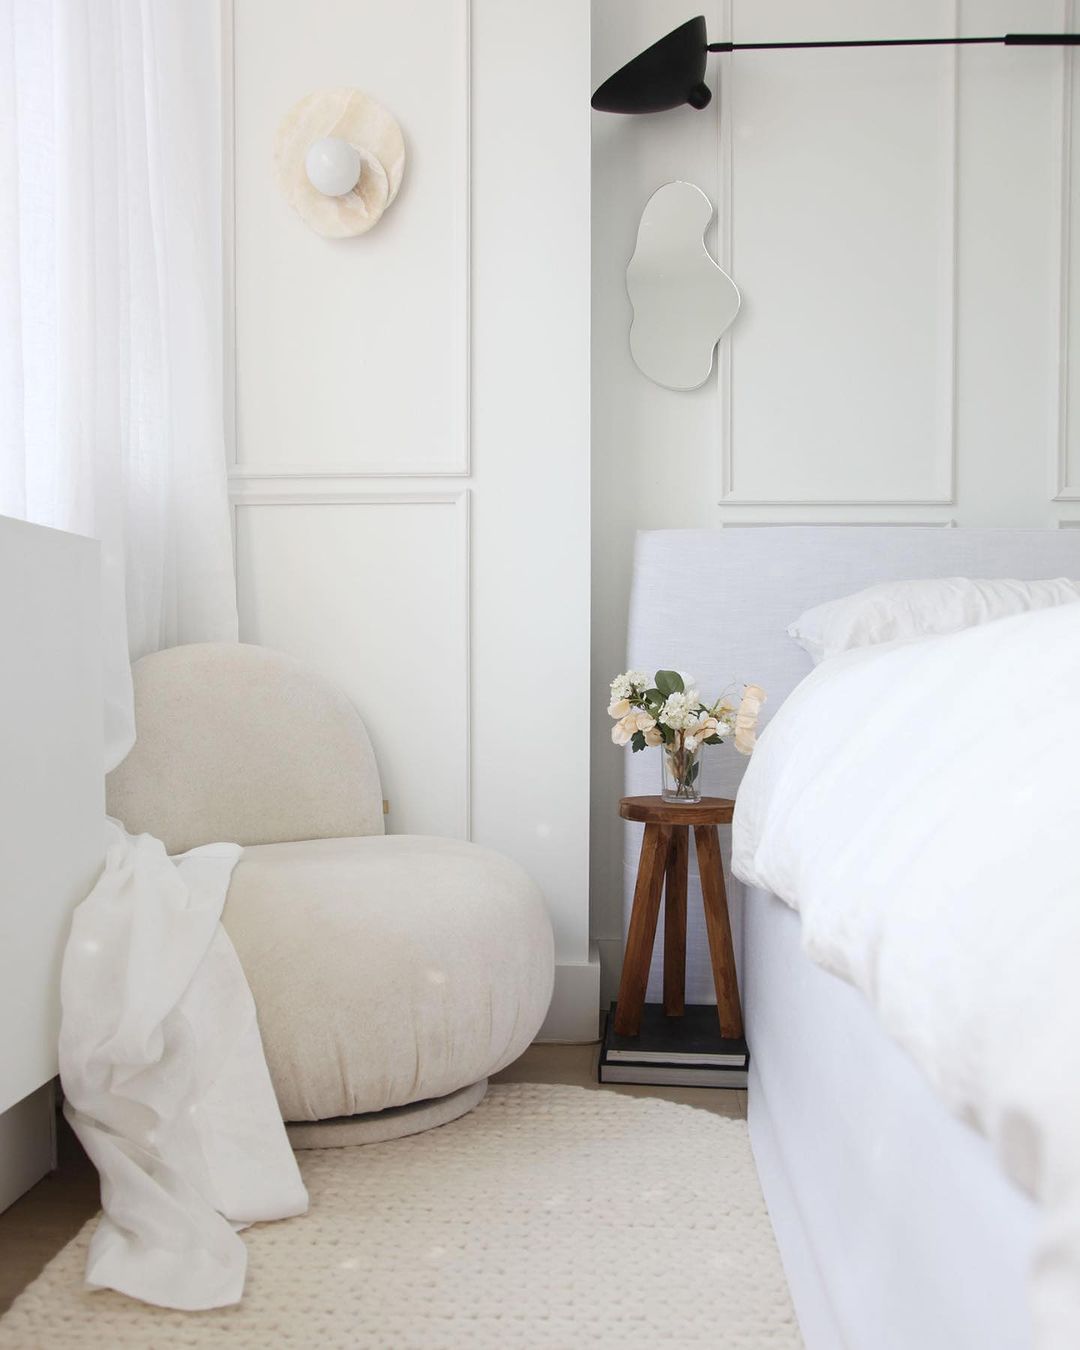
637 740
713 740
695 769
669 682
666 733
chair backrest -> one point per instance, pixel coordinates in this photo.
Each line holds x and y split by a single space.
243 744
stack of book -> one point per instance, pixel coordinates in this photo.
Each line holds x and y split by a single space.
686 1051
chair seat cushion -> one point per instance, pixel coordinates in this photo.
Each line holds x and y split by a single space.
387 969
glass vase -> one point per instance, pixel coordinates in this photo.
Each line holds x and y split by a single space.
680 772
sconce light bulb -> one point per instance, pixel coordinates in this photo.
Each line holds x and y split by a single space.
333 166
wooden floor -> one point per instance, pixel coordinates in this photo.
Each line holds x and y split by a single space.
576 1064
34 1229
42 1221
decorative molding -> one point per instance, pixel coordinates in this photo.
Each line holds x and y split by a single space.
315 498
729 495
863 521
1064 490
461 502
725 245
465 388
228 225
239 474
239 468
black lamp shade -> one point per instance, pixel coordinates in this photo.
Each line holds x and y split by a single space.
668 74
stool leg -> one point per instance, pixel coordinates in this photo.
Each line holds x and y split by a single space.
675 922
718 927
642 934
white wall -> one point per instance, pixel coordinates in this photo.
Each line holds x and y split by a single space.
894 221
411 476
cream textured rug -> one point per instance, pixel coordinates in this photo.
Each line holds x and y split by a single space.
549 1216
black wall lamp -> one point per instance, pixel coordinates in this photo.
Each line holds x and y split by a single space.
672 71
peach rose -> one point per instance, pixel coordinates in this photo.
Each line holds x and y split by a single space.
642 721
621 733
746 718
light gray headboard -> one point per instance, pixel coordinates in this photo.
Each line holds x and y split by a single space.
717 603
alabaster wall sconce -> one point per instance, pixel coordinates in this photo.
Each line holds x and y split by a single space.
339 158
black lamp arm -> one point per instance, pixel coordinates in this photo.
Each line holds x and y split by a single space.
1009 40
1041 39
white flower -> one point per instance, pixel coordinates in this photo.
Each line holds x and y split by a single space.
680 710
684 713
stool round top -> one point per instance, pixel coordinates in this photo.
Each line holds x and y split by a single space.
656 811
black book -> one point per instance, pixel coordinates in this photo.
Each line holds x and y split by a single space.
694 1038
673 1075
685 1051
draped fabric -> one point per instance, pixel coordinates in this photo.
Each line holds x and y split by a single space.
165 1080
111 303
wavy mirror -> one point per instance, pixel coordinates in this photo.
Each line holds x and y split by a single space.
683 300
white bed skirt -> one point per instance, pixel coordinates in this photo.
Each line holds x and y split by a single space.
897 1228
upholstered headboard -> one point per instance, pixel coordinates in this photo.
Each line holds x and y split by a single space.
717 603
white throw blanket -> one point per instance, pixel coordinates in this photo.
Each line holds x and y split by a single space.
920 806
165 1079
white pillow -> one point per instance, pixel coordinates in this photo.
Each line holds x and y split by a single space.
902 611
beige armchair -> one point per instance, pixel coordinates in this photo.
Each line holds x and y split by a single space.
391 973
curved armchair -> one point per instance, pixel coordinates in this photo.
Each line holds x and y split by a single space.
391 973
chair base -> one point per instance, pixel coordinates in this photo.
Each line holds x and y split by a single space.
377 1127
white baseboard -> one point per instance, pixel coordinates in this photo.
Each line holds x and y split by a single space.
574 1015
611 959
27 1144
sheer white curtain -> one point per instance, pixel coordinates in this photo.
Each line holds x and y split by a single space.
111 414
111 425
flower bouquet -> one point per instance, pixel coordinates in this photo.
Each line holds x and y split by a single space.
667 711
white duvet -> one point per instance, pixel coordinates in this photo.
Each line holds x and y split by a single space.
920 806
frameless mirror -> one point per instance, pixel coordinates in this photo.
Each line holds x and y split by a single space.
682 299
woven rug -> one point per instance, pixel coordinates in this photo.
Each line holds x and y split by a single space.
549 1216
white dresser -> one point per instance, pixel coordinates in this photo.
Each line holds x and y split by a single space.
52 804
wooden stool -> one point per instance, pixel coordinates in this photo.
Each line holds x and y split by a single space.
666 849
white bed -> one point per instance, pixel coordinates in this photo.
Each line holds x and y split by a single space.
897 1227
